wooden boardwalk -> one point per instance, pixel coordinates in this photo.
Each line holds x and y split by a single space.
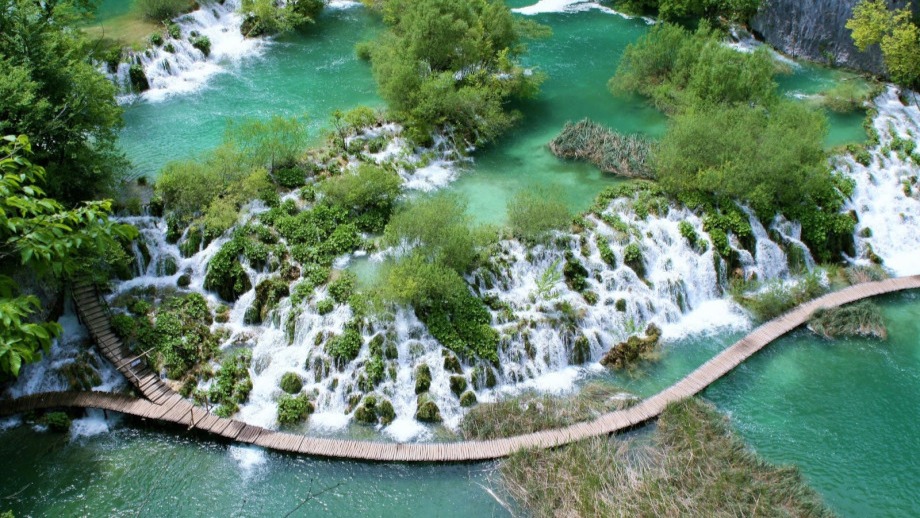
163 404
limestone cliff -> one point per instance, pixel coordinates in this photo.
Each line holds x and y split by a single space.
816 30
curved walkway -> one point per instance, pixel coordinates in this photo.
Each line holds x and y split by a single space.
163 404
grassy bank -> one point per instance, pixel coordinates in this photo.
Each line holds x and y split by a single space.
694 465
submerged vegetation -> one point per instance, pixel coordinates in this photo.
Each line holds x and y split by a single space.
693 465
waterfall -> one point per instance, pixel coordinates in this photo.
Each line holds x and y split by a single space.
886 198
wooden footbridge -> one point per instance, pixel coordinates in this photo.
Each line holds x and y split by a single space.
161 403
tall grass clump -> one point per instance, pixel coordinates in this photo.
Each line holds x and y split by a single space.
778 297
162 10
531 412
694 465
859 319
612 152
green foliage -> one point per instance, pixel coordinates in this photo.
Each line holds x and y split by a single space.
38 233
367 194
51 90
160 10
266 17
548 280
678 69
294 409
325 306
536 212
345 347
895 32
225 273
632 257
441 230
575 273
607 255
446 64
232 383
443 301
735 10
291 383
777 297
202 43
343 287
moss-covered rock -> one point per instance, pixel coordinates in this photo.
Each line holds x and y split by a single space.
581 351
635 348
226 275
427 410
422 378
294 409
468 399
57 421
386 412
452 363
458 385
291 383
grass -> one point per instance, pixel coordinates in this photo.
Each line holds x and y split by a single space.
693 465
859 319
776 298
130 29
531 412
612 152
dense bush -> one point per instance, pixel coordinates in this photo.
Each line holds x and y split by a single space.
262 17
367 194
225 273
294 409
443 301
777 297
232 383
441 230
737 10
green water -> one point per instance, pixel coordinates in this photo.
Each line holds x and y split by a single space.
139 472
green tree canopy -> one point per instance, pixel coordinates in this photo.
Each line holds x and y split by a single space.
895 33
451 65
50 90
37 232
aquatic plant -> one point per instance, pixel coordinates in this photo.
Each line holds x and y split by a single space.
611 152
859 319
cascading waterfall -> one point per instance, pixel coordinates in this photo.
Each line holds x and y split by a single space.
887 190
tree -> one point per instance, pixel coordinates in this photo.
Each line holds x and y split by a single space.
262 17
39 233
448 65
50 90
895 33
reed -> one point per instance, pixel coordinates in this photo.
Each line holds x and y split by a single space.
612 152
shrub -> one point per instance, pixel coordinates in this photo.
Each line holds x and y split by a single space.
290 177
343 287
776 298
575 273
156 39
345 347
294 409
534 213
138 78
225 274
325 306
367 194
632 257
291 383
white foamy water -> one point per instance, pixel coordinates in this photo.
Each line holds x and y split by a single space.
887 194
572 6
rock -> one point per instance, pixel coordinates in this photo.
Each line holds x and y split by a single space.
457 385
581 351
452 364
291 383
427 411
816 30
624 354
422 378
468 399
